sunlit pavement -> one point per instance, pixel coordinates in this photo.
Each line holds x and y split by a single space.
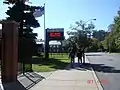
70 79
25 81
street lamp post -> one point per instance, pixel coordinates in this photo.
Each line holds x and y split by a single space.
83 27
109 46
110 42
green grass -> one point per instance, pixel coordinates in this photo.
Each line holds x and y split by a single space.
43 68
55 61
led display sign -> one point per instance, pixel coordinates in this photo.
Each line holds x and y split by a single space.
55 34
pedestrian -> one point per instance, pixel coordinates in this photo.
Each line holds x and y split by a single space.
79 55
69 50
72 57
83 55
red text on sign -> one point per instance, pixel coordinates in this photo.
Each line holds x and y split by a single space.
55 34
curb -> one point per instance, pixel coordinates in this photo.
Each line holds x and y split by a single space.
95 77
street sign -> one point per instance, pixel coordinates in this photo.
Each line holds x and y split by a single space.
55 34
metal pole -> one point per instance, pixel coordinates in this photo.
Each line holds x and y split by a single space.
44 17
109 47
83 46
44 33
46 39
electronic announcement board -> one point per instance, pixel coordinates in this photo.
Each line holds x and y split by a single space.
55 34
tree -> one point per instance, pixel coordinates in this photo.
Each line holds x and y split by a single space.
93 45
99 35
9 1
80 32
23 14
112 41
110 27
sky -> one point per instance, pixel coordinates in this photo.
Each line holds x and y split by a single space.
62 13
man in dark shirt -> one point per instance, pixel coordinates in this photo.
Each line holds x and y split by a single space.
69 50
79 55
72 56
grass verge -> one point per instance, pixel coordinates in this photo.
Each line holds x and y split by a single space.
56 61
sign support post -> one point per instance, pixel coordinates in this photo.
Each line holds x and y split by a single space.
46 45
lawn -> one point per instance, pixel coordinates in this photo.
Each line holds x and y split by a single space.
56 61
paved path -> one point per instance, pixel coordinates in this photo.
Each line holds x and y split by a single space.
25 81
70 79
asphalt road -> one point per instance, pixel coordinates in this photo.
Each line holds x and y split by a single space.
107 68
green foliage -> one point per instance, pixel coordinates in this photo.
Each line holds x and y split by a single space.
23 14
99 35
79 34
113 39
93 46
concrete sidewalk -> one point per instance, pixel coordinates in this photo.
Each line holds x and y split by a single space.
70 79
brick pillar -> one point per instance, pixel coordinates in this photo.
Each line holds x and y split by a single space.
9 51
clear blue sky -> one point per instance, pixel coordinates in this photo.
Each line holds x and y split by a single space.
62 13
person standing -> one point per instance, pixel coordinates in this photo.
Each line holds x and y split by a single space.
83 55
69 50
79 55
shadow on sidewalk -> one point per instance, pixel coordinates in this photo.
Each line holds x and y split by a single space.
104 68
13 86
82 67
24 82
29 79
96 67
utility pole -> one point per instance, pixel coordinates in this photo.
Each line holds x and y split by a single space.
46 39
109 46
110 43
